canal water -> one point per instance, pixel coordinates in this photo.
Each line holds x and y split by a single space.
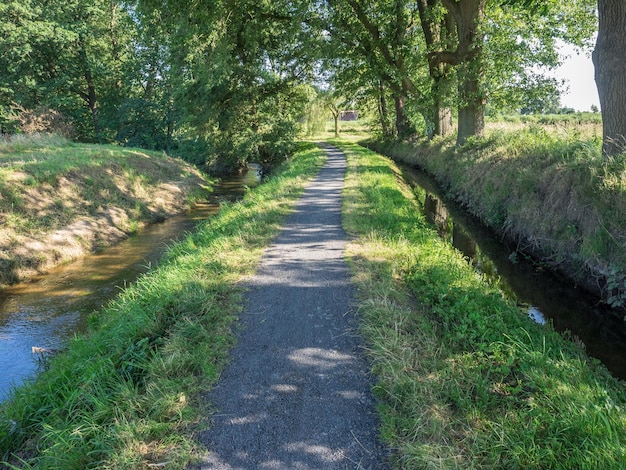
47 311
546 297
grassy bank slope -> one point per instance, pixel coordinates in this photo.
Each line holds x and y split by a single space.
59 200
129 394
466 380
545 187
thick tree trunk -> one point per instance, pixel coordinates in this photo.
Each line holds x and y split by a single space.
609 58
442 90
403 125
468 15
383 113
472 104
443 122
438 31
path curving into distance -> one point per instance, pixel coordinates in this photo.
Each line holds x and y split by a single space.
297 392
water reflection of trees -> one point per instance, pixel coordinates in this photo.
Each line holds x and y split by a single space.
567 308
455 233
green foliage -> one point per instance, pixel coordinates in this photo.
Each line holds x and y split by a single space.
237 90
376 54
220 82
523 44
105 69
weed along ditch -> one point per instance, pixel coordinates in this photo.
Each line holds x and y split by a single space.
547 297
38 317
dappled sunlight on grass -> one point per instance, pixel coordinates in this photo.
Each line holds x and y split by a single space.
62 202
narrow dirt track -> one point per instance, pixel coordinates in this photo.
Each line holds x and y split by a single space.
297 393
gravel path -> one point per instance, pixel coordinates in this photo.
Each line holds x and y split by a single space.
296 394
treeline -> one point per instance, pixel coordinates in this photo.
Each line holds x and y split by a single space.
227 81
215 82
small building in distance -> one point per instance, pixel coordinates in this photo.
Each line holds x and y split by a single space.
350 115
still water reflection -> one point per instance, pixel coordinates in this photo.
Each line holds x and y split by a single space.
47 311
546 297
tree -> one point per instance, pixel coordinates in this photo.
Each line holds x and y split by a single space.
382 36
237 68
26 36
437 25
392 47
498 43
609 58
64 56
146 116
468 16
465 25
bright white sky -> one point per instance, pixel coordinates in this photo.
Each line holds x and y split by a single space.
577 69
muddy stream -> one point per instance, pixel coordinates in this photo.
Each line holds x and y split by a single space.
546 297
50 309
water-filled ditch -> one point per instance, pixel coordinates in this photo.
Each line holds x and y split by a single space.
545 296
47 311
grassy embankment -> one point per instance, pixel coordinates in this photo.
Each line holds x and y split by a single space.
127 395
545 186
466 380
60 200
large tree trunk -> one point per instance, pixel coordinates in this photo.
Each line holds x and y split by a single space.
609 58
442 89
468 16
471 104
438 31
403 125
443 120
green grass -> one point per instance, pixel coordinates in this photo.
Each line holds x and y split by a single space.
466 380
48 183
548 190
129 394
550 119
43 163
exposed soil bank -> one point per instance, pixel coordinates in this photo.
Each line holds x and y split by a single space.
560 207
58 203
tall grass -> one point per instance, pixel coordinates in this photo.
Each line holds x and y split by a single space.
548 190
20 142
466 380
129 394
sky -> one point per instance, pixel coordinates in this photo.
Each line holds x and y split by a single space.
577 69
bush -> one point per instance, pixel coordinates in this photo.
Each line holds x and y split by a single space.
41 120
